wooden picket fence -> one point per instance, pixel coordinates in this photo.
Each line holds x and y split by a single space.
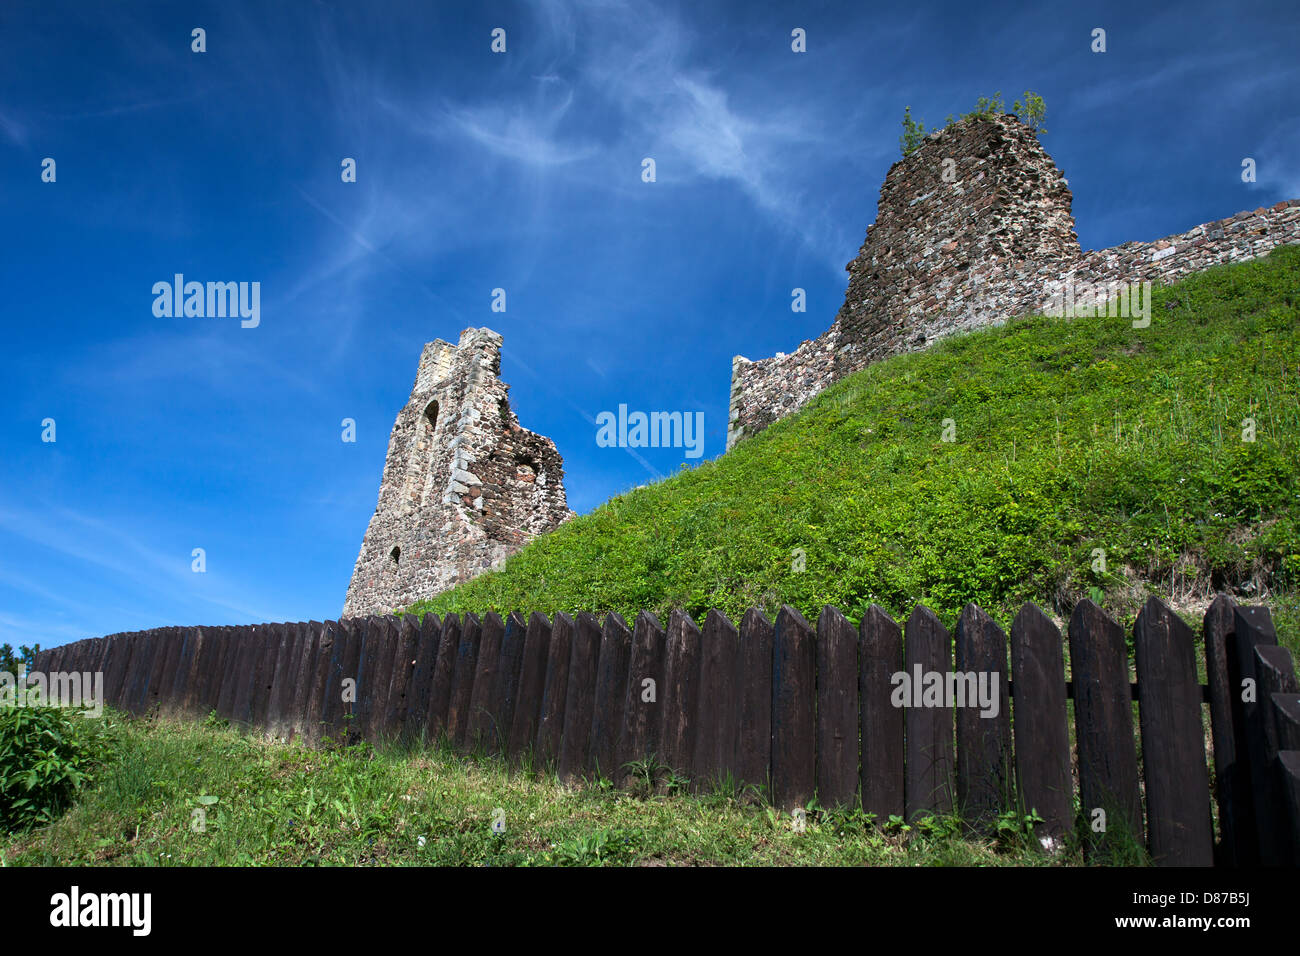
794 710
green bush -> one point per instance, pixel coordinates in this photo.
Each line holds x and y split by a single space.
46 756
913 133
1031 112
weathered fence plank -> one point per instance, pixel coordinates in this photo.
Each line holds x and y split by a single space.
261 680
880 650
164 675
300 693
370 632
228 646
639 738
290 718
1179 821
1252 629
1103 716
1277 687
132 651
119 657
794 718
754 739
287 638
181 676
203 652
718 716
680 694
482 721
462 679
142 666
580 697
931 764
984 779
1275 672
1042 745
1286 717
404 660
1289 768
326 658
386 680
251 647
444 669
240 648
837 709
555 688
1231 773
508 670
260 692
343 727
532 681
610 697
420 689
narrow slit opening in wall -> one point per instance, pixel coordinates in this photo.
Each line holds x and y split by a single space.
395 554
527 470
431 415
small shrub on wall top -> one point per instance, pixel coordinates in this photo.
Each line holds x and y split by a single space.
913 133
1030 111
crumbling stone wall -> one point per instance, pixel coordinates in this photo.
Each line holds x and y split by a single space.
972 229
464 485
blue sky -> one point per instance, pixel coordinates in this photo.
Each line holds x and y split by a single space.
476 171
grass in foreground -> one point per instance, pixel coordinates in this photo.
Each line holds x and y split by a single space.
1075 440
179 793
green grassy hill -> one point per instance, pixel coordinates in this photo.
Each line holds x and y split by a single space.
1072 435
168 793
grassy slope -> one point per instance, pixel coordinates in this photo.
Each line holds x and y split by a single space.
1071 435
271 804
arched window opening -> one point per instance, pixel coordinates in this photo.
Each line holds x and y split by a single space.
418 456
395 554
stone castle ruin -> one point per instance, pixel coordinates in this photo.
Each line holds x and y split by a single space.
973 228
464 485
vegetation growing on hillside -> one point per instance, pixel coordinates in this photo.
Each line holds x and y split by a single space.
184 794
1031 111
1091 459
47 756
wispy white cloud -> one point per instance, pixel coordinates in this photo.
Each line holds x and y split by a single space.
15 130
632 89
18 631
522 133
95 542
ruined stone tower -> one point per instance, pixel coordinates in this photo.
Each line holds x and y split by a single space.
972 229
464 485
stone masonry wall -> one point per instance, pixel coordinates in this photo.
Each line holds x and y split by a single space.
972 243
464 486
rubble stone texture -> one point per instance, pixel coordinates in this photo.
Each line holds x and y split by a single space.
464 485
985 243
